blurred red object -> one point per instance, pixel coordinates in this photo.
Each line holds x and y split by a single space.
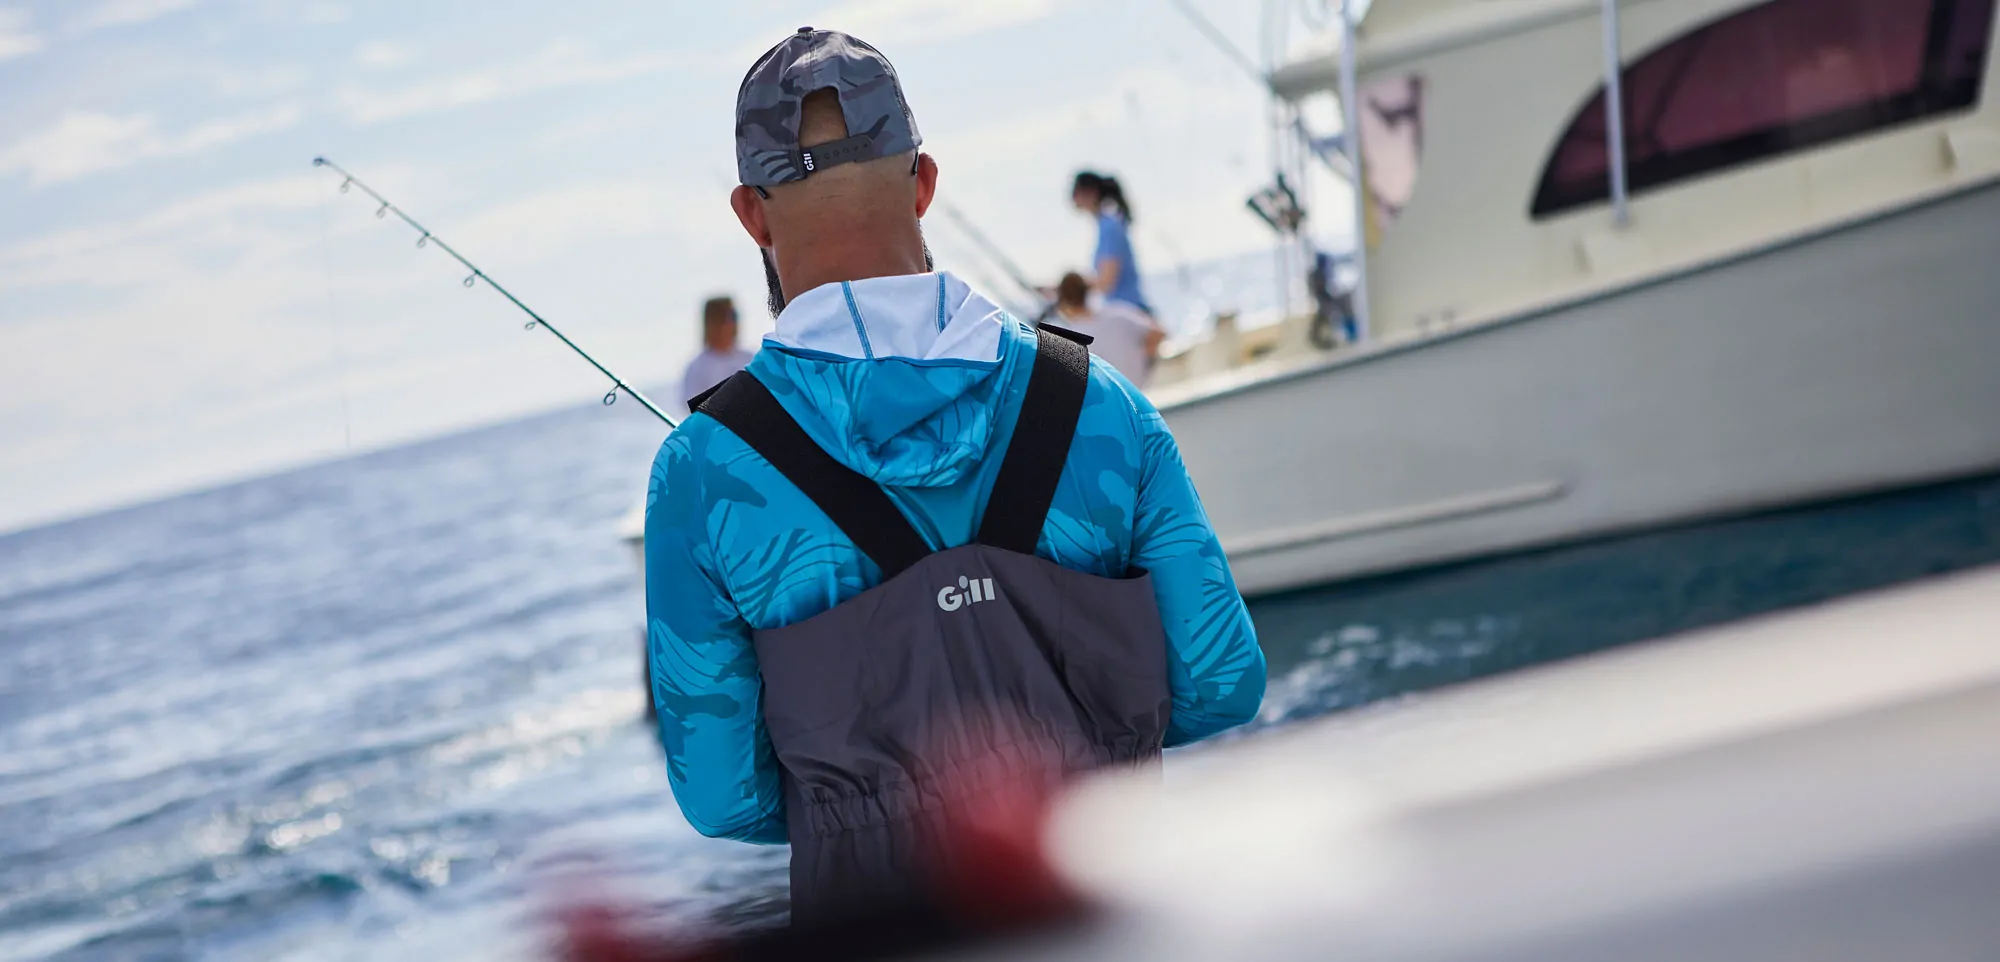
992 882
599 933
992 867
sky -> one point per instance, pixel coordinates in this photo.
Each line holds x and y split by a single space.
185 300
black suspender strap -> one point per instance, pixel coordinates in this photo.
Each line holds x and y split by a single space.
1015 510
1026 486
695 403
857 505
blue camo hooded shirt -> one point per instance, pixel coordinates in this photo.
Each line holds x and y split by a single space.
915 382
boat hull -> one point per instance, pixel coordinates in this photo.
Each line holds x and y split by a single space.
1867 358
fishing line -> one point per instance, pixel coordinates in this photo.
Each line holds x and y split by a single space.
993 252
426 238
975 270
333 325
1221 42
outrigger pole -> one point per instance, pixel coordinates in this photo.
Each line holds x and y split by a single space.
993 252
427 238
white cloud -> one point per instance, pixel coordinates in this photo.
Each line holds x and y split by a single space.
17 37
80 143
122 254
381 54
260 82
910 22
324 11
601 127
216 133
85 142
552 221
124 13
557 65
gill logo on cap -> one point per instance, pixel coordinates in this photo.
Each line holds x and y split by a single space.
969 591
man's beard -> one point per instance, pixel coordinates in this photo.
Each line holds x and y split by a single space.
774 291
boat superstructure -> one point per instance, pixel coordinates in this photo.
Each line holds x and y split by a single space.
1779 288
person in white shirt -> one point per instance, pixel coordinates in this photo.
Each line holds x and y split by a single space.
720 356
1124 336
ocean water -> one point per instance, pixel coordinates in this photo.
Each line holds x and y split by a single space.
389 708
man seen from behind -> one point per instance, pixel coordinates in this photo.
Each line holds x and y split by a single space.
915 529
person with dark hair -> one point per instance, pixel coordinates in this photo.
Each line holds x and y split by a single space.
720 354
1103 198
920 550
1122 335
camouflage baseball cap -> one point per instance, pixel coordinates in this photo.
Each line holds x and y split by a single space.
768 108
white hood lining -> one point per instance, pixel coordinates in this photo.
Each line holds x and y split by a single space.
926 317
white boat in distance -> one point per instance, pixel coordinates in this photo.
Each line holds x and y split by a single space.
1783 287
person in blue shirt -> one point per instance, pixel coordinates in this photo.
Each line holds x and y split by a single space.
1117 271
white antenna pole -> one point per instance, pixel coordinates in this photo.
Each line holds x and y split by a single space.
1614 115
1350 113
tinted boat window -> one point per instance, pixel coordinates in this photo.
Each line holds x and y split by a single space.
1778 77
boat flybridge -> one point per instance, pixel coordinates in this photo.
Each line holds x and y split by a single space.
1768 274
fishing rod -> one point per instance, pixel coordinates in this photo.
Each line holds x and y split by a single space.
993 251
427 238
1220 40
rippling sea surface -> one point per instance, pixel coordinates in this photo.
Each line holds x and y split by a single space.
388 708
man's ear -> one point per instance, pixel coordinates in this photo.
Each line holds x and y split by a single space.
927 177
749 207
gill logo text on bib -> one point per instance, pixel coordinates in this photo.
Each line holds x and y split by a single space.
969 591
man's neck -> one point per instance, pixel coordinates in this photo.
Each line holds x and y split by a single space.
1072 311
813 267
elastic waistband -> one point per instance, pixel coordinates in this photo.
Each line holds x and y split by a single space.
823 814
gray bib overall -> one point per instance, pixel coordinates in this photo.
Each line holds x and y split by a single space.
980 651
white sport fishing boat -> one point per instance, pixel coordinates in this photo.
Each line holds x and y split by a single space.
1780 285
1785 288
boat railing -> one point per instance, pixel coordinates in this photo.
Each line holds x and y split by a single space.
1228 344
